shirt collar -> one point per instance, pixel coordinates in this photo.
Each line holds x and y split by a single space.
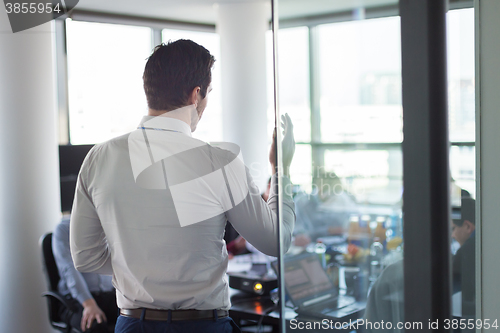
165 123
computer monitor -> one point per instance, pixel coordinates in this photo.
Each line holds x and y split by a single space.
70 160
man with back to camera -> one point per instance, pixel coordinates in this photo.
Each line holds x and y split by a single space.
151 206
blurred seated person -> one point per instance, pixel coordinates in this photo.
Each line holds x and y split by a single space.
92 296
463 231
235 243
323 212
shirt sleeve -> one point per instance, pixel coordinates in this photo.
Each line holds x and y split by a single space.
257 220
74 280
89 247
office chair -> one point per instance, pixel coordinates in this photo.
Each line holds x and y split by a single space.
54 299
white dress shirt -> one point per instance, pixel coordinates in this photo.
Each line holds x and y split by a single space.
156 222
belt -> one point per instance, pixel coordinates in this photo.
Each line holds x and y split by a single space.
175 315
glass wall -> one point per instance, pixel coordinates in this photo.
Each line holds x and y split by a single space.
340 80
348 205
461 101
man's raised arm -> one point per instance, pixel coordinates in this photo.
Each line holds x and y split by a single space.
257 220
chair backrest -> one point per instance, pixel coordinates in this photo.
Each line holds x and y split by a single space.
49 263
52 277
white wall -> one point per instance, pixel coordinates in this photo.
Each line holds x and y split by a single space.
242 28
29 180
488 157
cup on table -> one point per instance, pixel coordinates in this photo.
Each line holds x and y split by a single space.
350 274
361 285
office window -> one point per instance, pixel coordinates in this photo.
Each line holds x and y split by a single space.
358 66
372 176
270 84
293 62
360 81
463 167
359 74
301 168
461 101
105 67
461 98
210 127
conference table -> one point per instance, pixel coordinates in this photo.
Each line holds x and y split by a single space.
260 313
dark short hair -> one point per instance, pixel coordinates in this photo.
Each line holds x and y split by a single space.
173 71
468 210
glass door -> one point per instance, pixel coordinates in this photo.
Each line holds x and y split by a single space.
384 187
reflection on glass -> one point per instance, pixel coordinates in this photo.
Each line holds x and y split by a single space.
105 66
463 263
461 103
210 129
349 199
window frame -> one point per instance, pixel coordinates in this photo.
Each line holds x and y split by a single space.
156 26
312 22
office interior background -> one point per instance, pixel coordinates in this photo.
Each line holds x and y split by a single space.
78 80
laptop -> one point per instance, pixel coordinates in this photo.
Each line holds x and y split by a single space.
311 290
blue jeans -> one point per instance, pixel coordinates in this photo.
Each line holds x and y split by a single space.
134 325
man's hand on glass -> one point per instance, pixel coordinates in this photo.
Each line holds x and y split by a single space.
288 145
